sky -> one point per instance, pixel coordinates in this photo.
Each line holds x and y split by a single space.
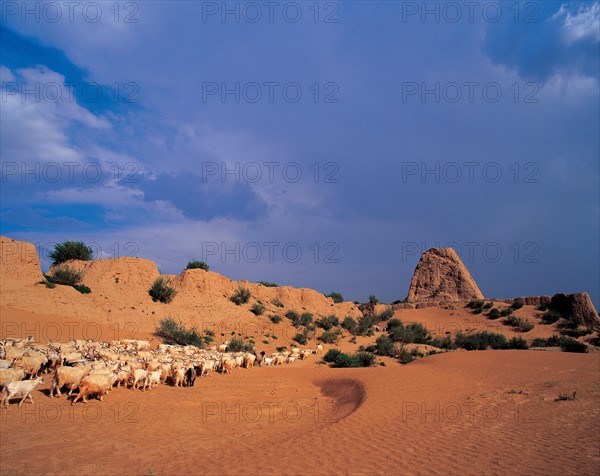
313 144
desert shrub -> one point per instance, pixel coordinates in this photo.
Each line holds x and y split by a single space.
576 332
365 325
494 314
518 303
384 346
275 319
413 333
70 250
292 316
550 317
520 324
195 264
173 332
539 342
277 302
268 284
65 275
507 311
300 338
162 291
398 301
299 320
337 297
82 288
488 305
542 307
442 342
349 324
49 284
572 345
394 323
385 315
257 308
306 319
332 355
373 299
363 359
475 303
241 296
480 341
330 336
238 345
517 343
405 357
327 322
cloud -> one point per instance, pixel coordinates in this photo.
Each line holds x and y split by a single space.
558 39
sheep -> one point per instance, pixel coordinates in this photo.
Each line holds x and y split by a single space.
267 361
291 359
206 368
239 360
279 359
305 353
139 376
97 384
177 375
319 349
153 379
68 376
227 366
11 375
32 364
249 360
19 388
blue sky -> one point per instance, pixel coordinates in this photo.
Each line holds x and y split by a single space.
361 133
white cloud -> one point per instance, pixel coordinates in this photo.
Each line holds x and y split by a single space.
584 24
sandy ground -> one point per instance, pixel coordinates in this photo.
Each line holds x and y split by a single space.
491 412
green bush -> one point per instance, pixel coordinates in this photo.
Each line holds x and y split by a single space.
475 303
173 332
292 316
518 303
385 346
572 345
275 319
507 311
349 324
517 343
488 305
268 284
238 345
300 338
494 314
520 324
68 250
327 322
277 302
413 333
340 360
337 297
298 320
442 342
330 336
257 308
65 275
82 288
550 317
373 299
241 296
385 315
394 323
195 264
480 341
162 291
363 359
332 355
405 357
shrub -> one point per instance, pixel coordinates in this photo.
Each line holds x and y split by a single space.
332 355
267 284
195 264
517 343
173 332
363 359
238 345
299 320
488 305
241 296
405 357
518 303
385 315
300 338
494 314
507 311
394 323
277 302
413 333
337 297
70 250
275 319
480 341
442 342
550 317
576 332
49 284
349 324
257 308
572 345
475 303
398 301
162 291
65 275
520 324
330 337
384 346
373 299
327 322
82 288
292 316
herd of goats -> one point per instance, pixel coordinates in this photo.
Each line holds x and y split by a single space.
93 368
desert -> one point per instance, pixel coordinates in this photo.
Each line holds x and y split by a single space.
419 407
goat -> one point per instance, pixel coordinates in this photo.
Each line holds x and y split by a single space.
19 388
